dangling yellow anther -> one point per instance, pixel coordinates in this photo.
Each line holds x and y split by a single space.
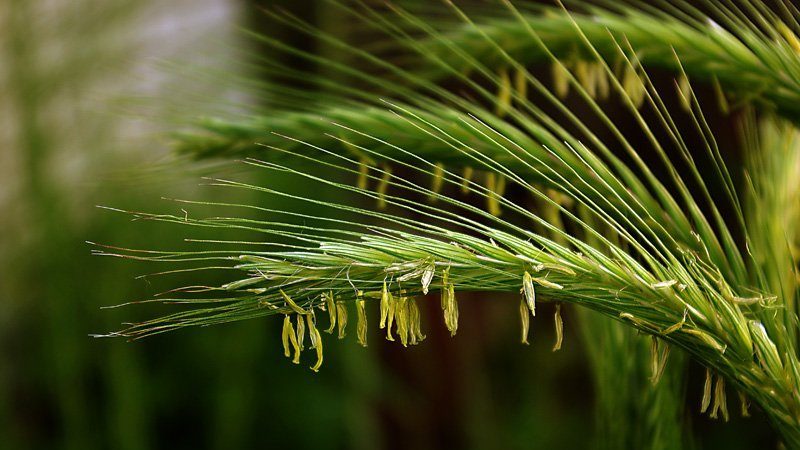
559 324
704 404
401 318
363 171
521 83
525 320
415 322
438 182
467 177
720 403
560 79
659 352
301 331
503 94
451 310
362 319
384 305
288 333
445 283
601 79
341 318
496 185
789 36
585 76
745 404
390 316
685 92
318 348
331 307
312 326
722 100
633 86
287 330
383 186
529 292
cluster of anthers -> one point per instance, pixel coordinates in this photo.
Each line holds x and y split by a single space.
399 314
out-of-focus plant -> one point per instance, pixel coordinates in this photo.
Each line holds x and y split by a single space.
702 258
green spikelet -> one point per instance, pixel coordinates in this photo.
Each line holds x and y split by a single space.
529 292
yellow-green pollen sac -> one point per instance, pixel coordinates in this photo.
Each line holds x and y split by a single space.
330 305
384 305
503 94
292 338
289 336
341 318
415 322
361 328
559 325
401 318
383 186
301 331
525 320
438 182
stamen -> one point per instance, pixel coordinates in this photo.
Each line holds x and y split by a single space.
362 319
331 307
706 392
383 186
521 83
467 177
301 331
560 79
341 318
503 94
438 181
559 328
525 320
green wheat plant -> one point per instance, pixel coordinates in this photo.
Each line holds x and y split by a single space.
636 217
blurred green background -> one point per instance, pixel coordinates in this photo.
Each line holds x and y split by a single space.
88 92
